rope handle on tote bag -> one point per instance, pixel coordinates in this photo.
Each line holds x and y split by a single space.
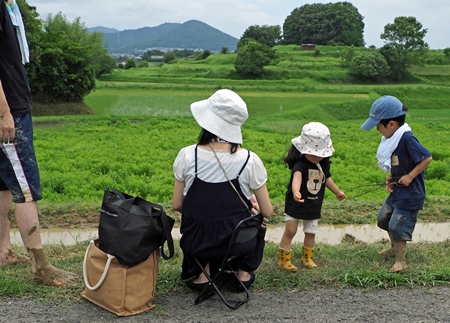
105 271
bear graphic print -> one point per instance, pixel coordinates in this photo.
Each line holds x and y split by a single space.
315 180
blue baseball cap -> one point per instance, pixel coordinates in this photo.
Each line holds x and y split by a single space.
386 107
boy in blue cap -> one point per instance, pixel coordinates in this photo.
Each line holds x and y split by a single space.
400 154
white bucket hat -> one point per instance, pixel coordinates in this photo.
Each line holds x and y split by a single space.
314 140
222 114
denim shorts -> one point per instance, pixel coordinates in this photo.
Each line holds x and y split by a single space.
19 171
399 222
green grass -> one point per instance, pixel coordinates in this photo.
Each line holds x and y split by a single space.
80 158
343 265
143 119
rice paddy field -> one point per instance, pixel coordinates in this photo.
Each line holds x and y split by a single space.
142 119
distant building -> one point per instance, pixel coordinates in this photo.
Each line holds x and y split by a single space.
308 46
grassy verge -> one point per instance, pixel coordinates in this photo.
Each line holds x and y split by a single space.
347 264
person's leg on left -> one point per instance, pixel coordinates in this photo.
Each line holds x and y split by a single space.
43 272
7 255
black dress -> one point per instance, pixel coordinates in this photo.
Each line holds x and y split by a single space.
210 213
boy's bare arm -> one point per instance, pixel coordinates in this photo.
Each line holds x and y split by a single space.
405 180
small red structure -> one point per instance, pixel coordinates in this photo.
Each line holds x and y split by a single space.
308 46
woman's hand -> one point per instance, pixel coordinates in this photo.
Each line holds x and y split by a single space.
254 202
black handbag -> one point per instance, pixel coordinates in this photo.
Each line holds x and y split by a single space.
131 228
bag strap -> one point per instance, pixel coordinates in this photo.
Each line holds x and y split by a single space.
168 234
105 271
231 183
167 227
119 194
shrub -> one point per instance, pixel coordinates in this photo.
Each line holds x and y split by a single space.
169 57
447 52
251 59
130 63
370 66
203 55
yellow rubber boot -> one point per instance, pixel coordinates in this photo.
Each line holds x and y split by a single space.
307 258
284 260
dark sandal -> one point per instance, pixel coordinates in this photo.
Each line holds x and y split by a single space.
196 287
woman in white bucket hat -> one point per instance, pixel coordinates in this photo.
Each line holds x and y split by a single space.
210 207
309 162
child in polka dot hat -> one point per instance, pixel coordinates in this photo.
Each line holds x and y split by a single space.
309 162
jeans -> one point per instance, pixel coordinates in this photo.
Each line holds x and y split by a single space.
399 222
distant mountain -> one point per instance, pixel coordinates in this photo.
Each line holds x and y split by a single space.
102 29
192 34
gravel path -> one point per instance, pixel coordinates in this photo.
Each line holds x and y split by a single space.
321 305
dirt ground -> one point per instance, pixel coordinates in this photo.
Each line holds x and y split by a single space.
321 305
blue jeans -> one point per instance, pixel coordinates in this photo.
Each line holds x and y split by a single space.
399 222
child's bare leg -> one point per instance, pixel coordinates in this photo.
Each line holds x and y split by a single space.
285 252
400 257
309 240
290 230
391 251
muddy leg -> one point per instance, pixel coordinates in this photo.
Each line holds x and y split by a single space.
43 272
400 257
391 251
7 255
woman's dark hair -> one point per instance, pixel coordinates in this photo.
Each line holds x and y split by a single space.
293 155
206 137
400 120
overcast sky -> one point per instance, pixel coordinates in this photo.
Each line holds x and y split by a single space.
235 16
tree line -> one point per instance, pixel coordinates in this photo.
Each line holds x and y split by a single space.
65 58
337 24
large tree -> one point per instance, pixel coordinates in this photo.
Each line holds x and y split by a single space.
406 35
64 57
62 69
324 24
269 35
